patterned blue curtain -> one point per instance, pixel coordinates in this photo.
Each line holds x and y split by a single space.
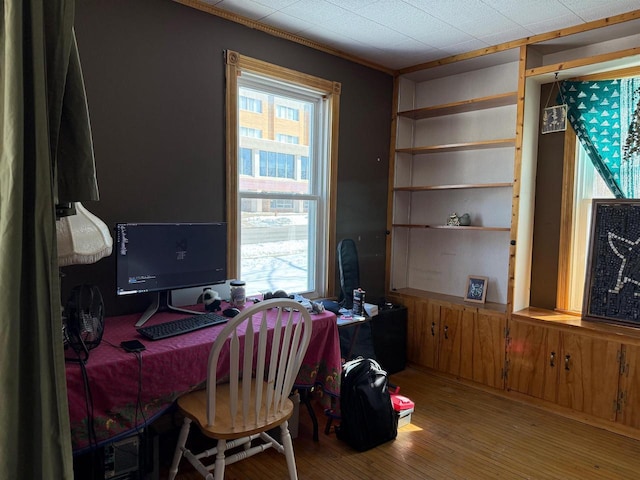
605 115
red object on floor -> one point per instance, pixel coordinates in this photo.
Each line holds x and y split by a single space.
401 403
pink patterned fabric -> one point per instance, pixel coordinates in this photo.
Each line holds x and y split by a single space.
170 368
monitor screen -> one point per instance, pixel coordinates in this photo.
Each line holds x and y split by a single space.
154 257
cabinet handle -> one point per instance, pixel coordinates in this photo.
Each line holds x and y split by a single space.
446 330
552 360
433 329
566 361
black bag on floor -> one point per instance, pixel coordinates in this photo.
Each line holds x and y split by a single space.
366 411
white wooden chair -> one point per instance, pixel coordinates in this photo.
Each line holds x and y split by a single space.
239 413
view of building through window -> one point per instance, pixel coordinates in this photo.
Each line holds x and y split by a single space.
280 172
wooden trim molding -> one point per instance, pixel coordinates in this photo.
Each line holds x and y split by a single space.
276 32
563 32
517 170
566 224
231 112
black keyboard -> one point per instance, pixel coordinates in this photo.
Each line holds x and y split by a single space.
183 325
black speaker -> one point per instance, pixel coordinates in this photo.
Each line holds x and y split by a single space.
389 332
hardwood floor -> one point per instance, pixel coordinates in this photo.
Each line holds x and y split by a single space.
456 432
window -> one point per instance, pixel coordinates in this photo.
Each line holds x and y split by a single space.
281 205
281 196
250 104
586 183
245 166
304 168
283 138
250 132
288 113
275 164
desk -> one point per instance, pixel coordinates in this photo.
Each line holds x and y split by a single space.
170 368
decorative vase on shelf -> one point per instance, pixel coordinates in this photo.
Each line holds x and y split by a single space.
464 220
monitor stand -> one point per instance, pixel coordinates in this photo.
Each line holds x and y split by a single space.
161 303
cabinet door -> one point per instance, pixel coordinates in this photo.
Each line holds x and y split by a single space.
422 347
589 369
629 388
489 348
533 352
430 345
450 339
467 328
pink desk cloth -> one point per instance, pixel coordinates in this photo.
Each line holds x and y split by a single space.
170 368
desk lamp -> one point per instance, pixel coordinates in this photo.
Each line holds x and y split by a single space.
82 237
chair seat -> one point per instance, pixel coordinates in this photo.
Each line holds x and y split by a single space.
194 406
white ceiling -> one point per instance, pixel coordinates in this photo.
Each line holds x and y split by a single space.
402 33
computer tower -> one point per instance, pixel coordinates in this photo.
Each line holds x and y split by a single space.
132 458
121 459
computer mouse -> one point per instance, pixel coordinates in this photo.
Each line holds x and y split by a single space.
230 312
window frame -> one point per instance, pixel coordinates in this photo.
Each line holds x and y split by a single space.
235 65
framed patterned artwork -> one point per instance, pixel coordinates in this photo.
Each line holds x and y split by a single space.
612 280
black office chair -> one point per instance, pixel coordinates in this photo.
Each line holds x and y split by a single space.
355 340
349 271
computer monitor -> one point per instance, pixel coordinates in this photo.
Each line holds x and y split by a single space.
160 257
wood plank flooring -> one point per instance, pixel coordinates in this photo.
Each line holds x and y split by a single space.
456 432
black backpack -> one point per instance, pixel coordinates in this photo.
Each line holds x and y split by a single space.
367 415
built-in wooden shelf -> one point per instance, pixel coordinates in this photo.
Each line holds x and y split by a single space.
457 147
452 187
449 227
492 101
575 322
452 299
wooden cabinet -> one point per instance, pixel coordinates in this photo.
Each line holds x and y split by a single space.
588 374
532 359
456 338
488 362
575 368
452 334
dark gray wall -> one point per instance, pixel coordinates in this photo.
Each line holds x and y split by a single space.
154 74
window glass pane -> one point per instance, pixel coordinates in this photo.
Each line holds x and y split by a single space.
250 104
587 185
250 132
277 250
279 234
282 143
288 112
281 137
246 161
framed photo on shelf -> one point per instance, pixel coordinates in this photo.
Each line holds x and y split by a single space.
476 289
612 280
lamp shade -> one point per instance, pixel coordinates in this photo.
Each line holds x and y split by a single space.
82 238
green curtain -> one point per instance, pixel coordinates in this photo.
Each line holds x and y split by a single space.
46 156
604 115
